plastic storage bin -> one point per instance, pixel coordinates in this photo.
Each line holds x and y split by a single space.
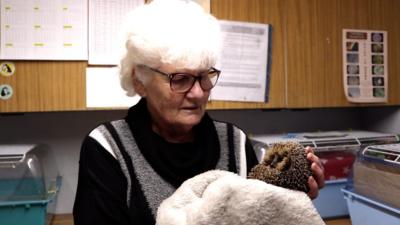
366 211
372 194
376 174
29 183
337 151
330 203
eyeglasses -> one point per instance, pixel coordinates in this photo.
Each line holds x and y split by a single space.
183 82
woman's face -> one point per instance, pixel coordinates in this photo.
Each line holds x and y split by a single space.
171 110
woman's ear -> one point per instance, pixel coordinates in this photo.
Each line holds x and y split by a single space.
137 84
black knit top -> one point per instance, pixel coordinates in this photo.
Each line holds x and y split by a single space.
126 170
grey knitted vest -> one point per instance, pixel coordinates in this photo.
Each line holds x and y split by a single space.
154 188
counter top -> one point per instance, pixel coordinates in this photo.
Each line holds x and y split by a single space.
62 219
67 219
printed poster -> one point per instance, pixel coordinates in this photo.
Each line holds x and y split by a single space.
43 30
365 66
244 62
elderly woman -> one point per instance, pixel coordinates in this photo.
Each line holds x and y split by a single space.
129 166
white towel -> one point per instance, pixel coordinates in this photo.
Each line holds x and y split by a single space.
220 197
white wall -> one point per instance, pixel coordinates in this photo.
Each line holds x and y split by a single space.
63 132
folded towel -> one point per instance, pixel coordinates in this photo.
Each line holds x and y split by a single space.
220 197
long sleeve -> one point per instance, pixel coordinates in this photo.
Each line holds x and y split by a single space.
251 157
101 192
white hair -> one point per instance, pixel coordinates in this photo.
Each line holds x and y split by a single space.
175 32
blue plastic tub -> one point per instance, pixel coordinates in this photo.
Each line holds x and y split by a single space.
330 202
24 213
29 212
366 211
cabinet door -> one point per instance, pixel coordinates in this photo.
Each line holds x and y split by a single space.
306 65
258 11
46 86
314 47
385 15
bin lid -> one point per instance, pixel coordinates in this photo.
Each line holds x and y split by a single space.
14 152
21 172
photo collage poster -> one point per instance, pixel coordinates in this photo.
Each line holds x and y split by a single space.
365 66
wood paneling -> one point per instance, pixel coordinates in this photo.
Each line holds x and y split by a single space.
258 11
314 47
46 86
306 69
384 15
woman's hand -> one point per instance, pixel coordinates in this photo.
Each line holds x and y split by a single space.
317 180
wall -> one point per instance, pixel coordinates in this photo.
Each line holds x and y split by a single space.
64 131
299 120
383 119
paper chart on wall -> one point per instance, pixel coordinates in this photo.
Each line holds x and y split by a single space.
244 62
365 65
43 30
105 22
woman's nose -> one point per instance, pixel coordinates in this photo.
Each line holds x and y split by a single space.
196 90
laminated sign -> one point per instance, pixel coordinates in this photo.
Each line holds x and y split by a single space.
365 66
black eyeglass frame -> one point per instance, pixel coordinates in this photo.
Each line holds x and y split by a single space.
172 75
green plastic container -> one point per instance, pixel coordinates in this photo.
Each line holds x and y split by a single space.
29 184
25 212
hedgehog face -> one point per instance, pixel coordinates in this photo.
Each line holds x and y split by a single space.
278 159
285 165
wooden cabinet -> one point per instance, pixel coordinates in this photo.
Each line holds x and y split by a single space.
46 86
314 48
306 65
307 46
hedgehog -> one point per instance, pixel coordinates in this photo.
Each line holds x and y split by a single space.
285 164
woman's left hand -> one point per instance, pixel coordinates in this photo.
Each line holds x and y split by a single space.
317 180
